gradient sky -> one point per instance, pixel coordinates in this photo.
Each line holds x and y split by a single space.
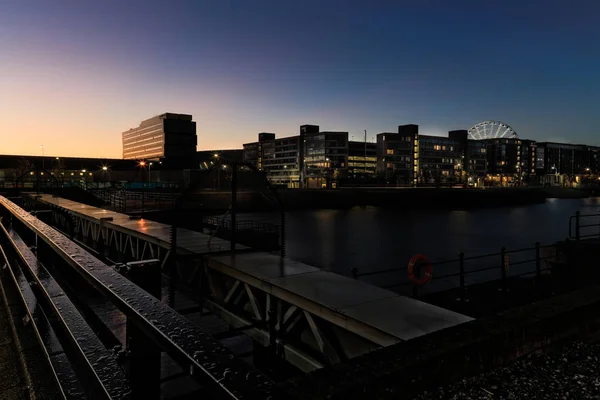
75 74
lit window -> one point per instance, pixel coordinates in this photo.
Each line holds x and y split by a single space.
389 165
437 147
390 151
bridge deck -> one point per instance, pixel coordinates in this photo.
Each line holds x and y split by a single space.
383 315
355 304
187 241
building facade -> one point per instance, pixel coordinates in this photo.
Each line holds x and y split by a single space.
440 159
566 159
167 135
362 160
326 158
398 154
310 159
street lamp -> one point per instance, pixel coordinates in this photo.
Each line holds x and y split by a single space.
42 147
149 172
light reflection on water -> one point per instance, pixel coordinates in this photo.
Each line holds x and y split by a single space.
370 238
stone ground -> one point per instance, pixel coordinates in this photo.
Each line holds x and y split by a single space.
570 373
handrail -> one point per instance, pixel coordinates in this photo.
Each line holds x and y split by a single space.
207 360
578 226
93 360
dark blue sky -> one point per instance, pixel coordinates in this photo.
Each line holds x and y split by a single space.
82 70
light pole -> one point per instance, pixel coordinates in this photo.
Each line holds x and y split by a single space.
216 155
328 173
42 147
365 152
149 172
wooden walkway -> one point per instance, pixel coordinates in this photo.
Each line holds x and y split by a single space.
188 242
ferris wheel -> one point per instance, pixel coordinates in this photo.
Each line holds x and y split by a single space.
491 130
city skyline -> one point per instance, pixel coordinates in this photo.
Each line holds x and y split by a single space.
76 75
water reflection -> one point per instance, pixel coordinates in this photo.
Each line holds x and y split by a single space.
369 238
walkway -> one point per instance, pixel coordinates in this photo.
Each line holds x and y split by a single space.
187 241
383 316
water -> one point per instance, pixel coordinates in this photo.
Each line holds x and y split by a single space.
375 239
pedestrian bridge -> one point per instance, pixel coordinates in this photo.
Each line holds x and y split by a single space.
310 318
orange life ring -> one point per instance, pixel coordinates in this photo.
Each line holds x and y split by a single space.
411 270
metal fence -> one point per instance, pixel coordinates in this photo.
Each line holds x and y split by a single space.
254 226
152 328
464 271
584 226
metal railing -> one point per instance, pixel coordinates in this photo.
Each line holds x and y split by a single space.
223 223
463 271
584 226
152 327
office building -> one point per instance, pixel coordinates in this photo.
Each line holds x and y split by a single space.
164 136
409 158
398 154
362 160
440 159
326 158
278 158
565 158
310 159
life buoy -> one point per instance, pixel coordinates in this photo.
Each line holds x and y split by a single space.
411 270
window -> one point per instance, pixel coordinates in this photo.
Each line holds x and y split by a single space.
437 147
389 165
390 151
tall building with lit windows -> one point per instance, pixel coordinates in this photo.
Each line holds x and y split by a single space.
398 154
165 136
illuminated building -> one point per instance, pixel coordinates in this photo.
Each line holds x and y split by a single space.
310 159
164 136
362 159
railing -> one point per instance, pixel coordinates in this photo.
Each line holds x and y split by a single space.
260 227
584 226
463 271
130 201
151 326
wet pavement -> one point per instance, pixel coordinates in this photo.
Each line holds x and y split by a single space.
570 373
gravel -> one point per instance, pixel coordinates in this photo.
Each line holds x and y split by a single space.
570 373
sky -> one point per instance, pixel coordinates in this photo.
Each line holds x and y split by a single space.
75 74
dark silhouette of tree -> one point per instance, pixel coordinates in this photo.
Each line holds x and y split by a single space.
24 167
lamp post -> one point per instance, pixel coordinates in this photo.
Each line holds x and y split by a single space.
328 173
216 156
149 172
365 152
